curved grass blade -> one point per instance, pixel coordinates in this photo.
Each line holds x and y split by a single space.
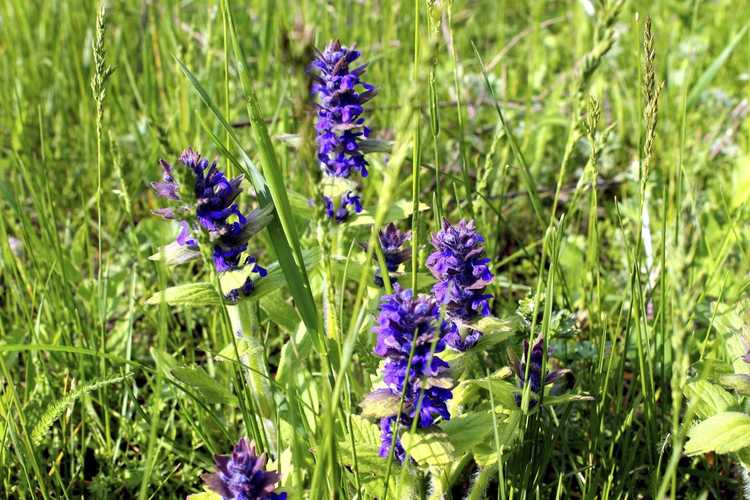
281 229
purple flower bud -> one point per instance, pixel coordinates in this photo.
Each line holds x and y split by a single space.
463 274
533 357
243 476
392 243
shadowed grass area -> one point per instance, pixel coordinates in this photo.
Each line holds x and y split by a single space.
600 147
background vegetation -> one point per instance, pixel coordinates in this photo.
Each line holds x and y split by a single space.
626 226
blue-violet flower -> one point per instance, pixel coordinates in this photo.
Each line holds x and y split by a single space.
462 274
340 126
216 212
408 326
243 475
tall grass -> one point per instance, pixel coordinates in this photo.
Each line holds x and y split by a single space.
601 147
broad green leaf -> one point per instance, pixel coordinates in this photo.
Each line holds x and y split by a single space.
468 430
722 433
739 382
245 346
494 331
485 454
370 464
430 448
708 399
175 254
280 312
380 403
197 379
191 294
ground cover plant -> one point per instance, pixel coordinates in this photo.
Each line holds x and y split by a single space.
375 249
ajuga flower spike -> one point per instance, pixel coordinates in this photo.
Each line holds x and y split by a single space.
340 126
462 274
243 475
211 207
408 326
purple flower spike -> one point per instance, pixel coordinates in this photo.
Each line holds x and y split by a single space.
463 274
216 213
408 325
340 127
243 476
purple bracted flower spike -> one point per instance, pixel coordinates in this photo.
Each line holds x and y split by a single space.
243 475
406 320
217 213
463 273
340 127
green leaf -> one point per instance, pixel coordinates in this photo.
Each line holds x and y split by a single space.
370 464
296 274
191 294
204 294
494 331
245 346
175 254
210 390
429 448
380 403
56 409
566 398
469 430
708 399
485 454
739 382
725 432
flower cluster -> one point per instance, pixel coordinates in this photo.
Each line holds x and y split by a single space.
533 357
340 126
408 338
462 274
216 212
243 476
394 251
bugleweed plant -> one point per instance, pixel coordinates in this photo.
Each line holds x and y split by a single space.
374 250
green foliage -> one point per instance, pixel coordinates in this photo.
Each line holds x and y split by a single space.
614 209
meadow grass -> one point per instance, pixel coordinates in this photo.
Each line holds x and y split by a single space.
600 147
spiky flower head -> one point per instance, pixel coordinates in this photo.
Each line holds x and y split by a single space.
214 208
243 475
340 126
533 358
409 337
462 272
